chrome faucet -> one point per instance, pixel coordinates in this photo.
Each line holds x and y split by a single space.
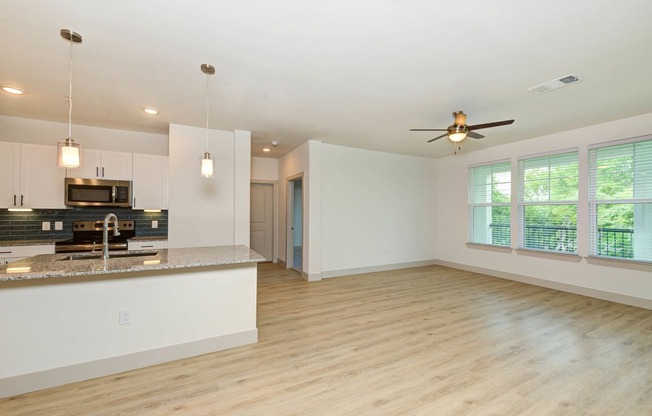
105 235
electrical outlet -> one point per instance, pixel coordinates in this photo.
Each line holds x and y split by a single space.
58 225
45 226
124 317
154 224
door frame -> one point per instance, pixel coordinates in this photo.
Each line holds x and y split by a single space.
289 220
274 214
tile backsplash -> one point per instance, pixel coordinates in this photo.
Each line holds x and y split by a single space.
27 225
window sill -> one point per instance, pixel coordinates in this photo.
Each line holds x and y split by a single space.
556 255
489 247
645 266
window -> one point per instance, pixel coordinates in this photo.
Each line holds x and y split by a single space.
490 196
547 202
620 200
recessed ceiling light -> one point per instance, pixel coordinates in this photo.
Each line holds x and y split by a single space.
151 111
266 149
274 143
12 90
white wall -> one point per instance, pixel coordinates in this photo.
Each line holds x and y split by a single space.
264 169
377 209
25 130
242 186
451 225
202 210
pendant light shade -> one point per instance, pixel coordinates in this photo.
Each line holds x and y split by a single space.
207 166
69 152
207 162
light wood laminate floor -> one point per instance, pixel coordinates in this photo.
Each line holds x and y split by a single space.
421 341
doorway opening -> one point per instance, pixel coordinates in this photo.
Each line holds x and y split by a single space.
295 224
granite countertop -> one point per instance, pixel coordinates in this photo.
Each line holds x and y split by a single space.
9 243
57 265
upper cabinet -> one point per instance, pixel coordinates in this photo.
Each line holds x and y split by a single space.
150 186
103 164
9 174
30 176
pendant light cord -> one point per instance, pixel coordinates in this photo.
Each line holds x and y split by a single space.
70 94
207 108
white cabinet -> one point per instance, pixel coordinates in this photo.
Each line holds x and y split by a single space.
103 164
41 179
9 174
147 245
150 181
10 254
30 176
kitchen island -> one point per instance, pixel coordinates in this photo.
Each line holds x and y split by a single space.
66 319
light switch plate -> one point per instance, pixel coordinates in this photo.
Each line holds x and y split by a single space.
45 226
155 224
58 225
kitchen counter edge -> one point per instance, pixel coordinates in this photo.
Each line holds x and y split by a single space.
47 266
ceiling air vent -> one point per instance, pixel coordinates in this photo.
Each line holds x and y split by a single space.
555 84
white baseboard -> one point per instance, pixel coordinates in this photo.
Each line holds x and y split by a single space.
371 269
311 277
564 287
24 383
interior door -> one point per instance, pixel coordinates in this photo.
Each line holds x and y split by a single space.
261 228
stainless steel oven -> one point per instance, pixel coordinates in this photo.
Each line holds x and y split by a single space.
97 193
87 236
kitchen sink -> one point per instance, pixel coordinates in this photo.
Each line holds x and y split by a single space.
98 256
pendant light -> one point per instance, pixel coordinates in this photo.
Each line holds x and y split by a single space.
68 152
207 162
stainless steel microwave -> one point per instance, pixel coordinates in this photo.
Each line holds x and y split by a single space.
97 193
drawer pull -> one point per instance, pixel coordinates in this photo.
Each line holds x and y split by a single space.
150 246
6 252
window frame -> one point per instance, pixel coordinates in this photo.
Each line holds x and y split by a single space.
594 202
471 204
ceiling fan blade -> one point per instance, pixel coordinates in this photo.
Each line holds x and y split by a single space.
487 125
474 135
428 129
438 137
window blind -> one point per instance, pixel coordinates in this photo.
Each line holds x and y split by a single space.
620 200
490 196
547 202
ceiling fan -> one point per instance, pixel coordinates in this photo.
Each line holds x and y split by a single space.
459 130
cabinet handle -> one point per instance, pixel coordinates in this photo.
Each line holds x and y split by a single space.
6 252
14 199
102 171
150 246
134 202
22 199
97 171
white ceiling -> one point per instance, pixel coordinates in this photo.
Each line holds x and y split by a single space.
356 73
